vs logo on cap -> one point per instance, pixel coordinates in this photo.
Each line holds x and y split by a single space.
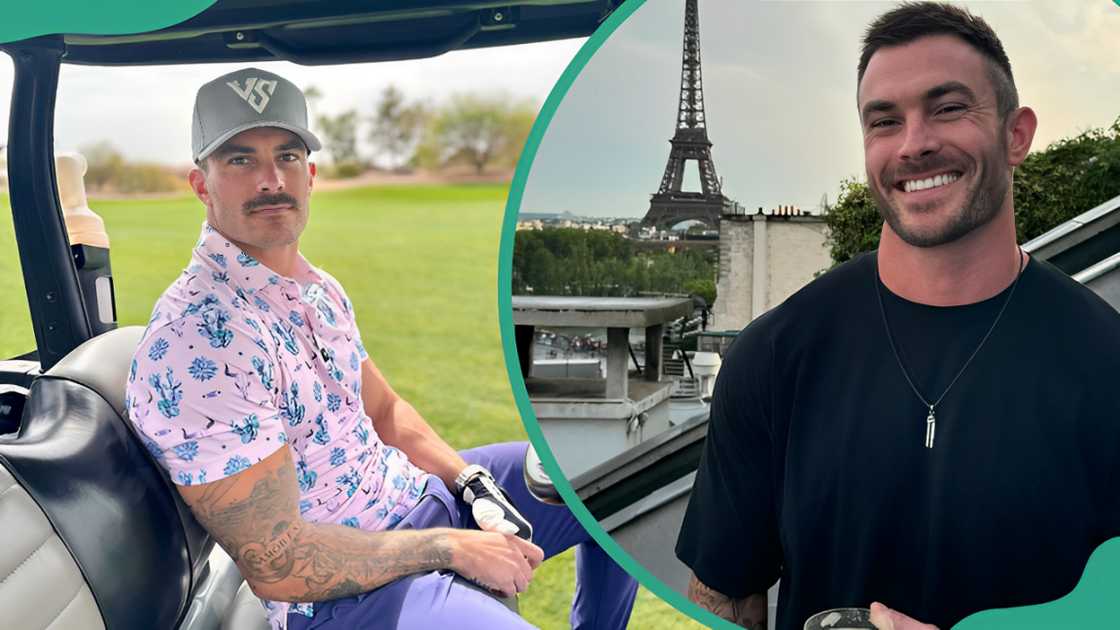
256 92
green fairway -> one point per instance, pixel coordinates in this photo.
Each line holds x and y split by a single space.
419 264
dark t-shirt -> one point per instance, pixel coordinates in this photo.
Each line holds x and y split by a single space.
815 469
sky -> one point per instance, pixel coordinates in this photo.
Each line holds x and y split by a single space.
145 112
779 85
779 80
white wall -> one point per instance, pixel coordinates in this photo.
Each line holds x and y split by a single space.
794 253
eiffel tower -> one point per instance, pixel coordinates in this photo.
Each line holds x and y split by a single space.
670 205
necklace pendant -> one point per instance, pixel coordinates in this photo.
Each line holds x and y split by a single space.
931 426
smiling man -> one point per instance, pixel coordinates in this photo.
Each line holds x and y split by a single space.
341 506
932 425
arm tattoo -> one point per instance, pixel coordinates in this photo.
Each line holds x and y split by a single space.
307 562
749 611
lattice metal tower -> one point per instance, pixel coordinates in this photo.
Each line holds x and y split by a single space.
671 205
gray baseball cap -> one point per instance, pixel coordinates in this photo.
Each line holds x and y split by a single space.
247 99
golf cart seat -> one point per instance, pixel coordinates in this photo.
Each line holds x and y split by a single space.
95 535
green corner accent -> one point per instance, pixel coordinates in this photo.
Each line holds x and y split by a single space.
1092 604
107 17
505 318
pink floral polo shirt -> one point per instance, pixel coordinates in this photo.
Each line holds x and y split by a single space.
237 362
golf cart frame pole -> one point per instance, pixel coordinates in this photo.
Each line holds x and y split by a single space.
50 278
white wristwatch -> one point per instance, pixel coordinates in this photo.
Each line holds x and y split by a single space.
469 473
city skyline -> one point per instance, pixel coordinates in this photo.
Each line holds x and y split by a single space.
779 83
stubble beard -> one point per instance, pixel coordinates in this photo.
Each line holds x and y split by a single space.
982 204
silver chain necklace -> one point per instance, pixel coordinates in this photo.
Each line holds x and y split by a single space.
931 419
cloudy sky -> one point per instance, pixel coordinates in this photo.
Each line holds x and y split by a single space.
146 112
779 79
779 82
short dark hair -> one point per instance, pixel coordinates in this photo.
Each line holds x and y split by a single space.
914 20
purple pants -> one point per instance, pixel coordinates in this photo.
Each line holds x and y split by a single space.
604 592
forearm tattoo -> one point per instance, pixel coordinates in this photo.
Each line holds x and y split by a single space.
749 611
308 562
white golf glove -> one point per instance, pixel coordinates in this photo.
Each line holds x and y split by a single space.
490 506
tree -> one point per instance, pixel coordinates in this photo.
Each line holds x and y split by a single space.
853 222
478 130
703 288
107 169
340 138
396 126
562 261
312 94
1069 177
105 164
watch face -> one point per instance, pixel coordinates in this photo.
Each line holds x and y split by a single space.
841 619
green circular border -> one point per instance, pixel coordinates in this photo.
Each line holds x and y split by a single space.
505 320
23 20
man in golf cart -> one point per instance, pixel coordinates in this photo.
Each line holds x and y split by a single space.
340 505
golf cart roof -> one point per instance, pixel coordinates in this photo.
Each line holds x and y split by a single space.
314 32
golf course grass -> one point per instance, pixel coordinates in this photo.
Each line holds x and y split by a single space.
419 264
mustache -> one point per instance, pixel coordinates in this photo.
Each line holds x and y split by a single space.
273 199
